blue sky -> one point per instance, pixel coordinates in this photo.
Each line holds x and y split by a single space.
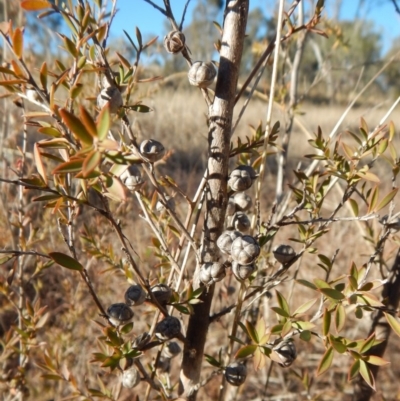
150 21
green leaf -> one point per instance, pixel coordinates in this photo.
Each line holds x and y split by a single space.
325 362
88 121
305 307
354 369
354 207
76 126
140 108
251 330
280 311
246 351
375 360
393 322
212 361
66 261
367 344
366 374
48 197
326 322
340 318
51 131
127 328
305 335
386 200
282 302
307 284
332 293
103 123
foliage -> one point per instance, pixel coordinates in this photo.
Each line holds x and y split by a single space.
100 191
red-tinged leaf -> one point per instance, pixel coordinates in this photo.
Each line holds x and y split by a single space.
245 351
259 360
91 162
103 123
332 293
18 42
354 369
17 70
305 307
387 199
66 261
50 131
366 374
340 318
350 151
39 163
35 5
76 126
60 143
12 82
88 122
325 362
394 323
124 61
369 299
43 75
326 322
375 360
72 166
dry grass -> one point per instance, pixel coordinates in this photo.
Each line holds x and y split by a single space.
179 122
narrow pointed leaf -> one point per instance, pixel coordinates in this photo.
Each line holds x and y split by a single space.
340 317
76 126
66 261
386 200
103 123
394 323
18 42
326 361
366 374
35 5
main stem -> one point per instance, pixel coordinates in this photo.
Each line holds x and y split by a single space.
219 135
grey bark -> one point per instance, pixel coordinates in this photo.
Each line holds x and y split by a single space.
219 134
391 299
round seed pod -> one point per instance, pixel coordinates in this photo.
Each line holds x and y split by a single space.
284 253
130 377
119 313
230 208
163 365
286 351
245 250
110 96
160 207
242 201
225 240
202 74
168 328
135 295
235 373
242 272
162 293
240 222
171 350
241 178
141 341
152 150
212 272
132 178
174 42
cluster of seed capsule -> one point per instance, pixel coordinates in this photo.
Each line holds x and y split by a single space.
166 329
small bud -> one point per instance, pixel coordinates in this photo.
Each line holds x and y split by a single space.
162 293
174 42
171 350
202 74
119 314
284 253
130 377
235 373
152 150
225 240
241 178
245 250
135 295
168 328
286 353
110 96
